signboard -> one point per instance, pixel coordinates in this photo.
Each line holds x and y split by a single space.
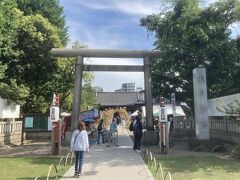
49 124
89 115
54 114
173 104
29 122
56 100
163 114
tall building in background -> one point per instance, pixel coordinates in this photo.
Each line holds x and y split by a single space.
129 87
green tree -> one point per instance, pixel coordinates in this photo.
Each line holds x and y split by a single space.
29 75
8 26
88 92
31 65
189 35
51 10
9 88
231 109
11 91
31 29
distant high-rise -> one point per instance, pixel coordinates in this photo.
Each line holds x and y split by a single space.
129 87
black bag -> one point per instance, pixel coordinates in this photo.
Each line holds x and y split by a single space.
100 127
131 127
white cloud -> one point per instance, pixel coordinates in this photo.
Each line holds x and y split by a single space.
110 34
137 7
101 38
81 21
82 27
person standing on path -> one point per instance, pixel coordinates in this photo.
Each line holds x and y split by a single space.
79 144
100 131
137 132
114 130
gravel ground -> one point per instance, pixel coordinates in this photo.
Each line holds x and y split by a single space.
29 149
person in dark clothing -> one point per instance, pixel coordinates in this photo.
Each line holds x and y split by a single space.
137 132
100 131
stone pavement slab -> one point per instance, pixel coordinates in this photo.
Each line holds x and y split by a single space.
113 163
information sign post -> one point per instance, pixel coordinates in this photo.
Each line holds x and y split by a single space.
163 128
56 126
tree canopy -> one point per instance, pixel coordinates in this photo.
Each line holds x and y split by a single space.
9 22
189 35
51 10
29 75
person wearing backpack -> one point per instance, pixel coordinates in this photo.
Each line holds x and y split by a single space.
137 132
79 144
100 131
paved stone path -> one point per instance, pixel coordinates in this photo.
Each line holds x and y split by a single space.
113 163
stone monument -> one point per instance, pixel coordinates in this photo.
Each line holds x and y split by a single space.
200 103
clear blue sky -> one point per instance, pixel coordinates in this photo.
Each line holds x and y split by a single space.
111 24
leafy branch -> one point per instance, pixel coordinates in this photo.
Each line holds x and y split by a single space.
232 108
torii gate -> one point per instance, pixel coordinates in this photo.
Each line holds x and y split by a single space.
107 53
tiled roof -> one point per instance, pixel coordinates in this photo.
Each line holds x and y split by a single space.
118 98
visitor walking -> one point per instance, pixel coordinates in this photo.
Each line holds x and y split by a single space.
137 132
79 144
100 131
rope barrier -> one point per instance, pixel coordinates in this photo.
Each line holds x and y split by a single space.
146 154
169 175
161 170
197 148
151 157
157 167
66 160
49 171
234 149
57 168
154 162
214 148
36 178
71 157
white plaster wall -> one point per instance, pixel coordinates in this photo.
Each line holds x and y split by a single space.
156 110
213 104
8 111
